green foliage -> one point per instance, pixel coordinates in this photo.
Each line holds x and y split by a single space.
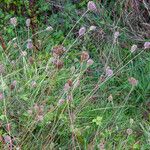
87 117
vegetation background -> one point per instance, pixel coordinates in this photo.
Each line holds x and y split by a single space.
89 89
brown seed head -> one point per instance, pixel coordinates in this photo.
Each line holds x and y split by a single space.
58 64
58 50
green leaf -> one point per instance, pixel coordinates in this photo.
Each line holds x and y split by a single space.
98 120
2 117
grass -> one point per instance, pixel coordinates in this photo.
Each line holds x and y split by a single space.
78 106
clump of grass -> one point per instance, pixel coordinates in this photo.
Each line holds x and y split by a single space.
72 100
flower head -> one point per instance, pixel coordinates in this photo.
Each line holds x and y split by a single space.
13 21
116 34
133 81
29 44
146 45
129 131
1 96
90 62
7 139
109 72
28 21
133 48
84 56
92 28
82 31
66 87
91 6
60 102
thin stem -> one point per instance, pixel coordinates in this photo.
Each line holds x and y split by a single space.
74 26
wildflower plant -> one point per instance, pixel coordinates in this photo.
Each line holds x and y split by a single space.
57 94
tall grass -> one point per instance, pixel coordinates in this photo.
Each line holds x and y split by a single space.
88 92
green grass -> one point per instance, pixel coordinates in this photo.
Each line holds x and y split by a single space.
89 120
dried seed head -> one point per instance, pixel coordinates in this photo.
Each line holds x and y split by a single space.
2 69
91 6
82 31
146 45
92 28
129 131
90 62
109 72
58 64
58 50
133 81
31 60
70 82
84 56
13 21
133 48
13 85
28 21
29 44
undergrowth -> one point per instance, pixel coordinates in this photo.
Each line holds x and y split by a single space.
85 86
